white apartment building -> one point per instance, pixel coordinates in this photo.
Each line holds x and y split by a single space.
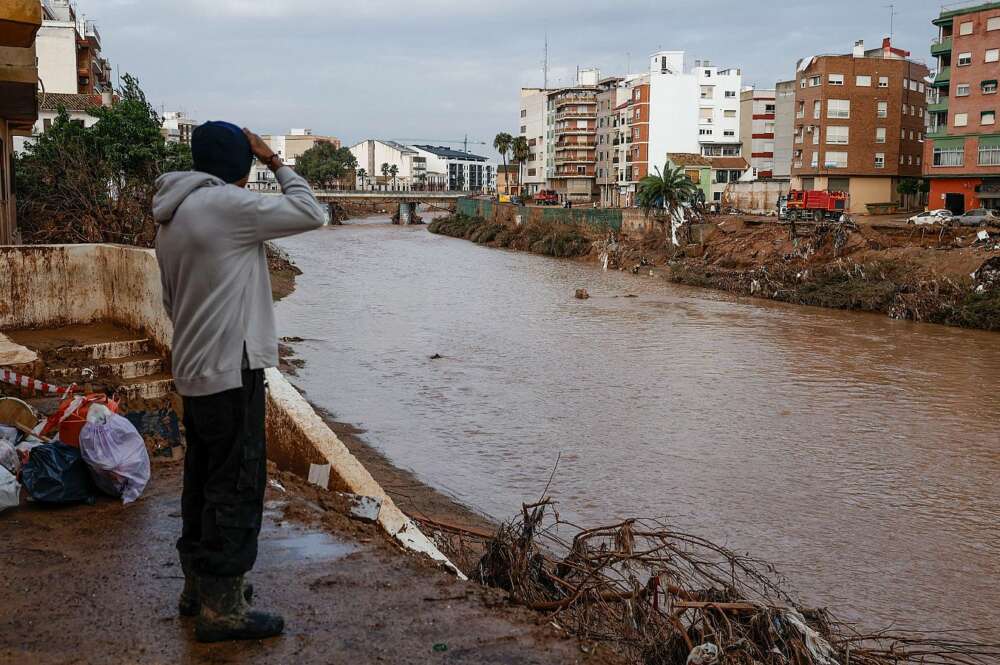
178 127
464 170
533 129
68 48
674 115
758 110
287 146
411 166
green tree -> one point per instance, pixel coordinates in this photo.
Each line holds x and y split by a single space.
385 172
393 170
362 174
669 190
503 142
96 184
520 151
324 164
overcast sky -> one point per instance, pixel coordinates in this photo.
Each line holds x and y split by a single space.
441 69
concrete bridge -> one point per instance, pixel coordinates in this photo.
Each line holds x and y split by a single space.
403 202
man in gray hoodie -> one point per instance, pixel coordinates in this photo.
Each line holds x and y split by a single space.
217 292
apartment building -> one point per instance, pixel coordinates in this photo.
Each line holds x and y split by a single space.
69 52
371 154
19 23
289 147
962 151
464 171
178 127
534 103
859 123
758 113
784 129
572 122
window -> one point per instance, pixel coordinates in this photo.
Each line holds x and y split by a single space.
815 132
635 93
708 73
838 108
880 135
835 79
883 110
524 113
904 109
883 81
705 114
705 132
909 160
815 160
961 119
965 28
800 112
837 135
913 86
993 23
988 118
835 160
730 113
863 81
729 132
992 54
524 128
919 159
989 87
802 83
798 135
949 156
707 91
920 87
989 155
962 90
815 81
964 59
730 94
817 109
906 82
880 160
769 108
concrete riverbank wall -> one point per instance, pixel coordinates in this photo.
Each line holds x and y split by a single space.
58 285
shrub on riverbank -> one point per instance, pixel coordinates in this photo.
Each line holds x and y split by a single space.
548 238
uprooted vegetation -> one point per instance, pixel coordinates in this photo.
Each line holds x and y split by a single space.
659 596
920 275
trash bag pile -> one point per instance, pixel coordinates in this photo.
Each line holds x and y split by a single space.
85 448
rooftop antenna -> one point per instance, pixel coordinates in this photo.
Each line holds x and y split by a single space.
892 15
628 63
545 64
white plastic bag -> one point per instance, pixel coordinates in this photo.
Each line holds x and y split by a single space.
117 457
9 459
10 491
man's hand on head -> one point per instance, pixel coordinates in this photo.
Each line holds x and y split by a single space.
258 147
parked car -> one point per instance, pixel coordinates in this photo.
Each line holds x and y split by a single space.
939 216
977 217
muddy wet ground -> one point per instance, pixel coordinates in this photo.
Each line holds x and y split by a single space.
99 584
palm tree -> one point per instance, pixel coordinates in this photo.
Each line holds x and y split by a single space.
502 142
393 170
668 190
385 172
361 176
519 153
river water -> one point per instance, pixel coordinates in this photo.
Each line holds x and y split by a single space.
860 455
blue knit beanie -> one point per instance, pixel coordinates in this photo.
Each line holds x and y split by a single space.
221 149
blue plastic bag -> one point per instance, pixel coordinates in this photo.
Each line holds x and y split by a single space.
56 473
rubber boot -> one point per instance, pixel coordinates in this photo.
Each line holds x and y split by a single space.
225 614
189 604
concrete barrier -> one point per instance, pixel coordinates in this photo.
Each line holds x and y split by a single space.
56 285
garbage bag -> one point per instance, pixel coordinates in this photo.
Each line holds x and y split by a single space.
9 459
56 473
10 491
116 454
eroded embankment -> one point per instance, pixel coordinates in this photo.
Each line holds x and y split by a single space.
922 275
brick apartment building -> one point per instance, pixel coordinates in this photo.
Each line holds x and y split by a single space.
574 140
859 123
962 151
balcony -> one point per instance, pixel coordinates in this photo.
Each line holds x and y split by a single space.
583 145
574 159
943 77
582 115
566 131
941 46
19 22
938 107
574 100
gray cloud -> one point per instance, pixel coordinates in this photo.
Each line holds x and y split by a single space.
441 69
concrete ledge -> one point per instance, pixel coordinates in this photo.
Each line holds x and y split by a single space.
54 285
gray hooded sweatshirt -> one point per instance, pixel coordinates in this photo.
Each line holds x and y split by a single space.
216 286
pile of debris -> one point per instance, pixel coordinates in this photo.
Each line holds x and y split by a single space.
657 595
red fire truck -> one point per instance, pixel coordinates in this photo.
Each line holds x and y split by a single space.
547 197
816 205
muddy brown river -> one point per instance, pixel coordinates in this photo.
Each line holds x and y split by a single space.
860 455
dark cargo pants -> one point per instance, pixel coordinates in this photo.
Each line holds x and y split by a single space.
225 473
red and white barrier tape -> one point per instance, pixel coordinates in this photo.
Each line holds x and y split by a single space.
13 378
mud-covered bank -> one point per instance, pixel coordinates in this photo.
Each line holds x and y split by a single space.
927 275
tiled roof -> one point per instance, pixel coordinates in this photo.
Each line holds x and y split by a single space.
729 163
51 101
688 159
